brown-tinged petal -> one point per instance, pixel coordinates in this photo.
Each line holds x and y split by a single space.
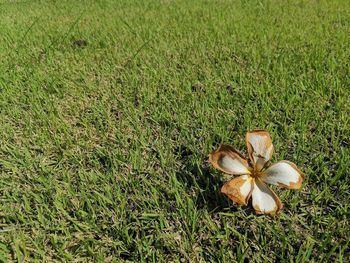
239 189
285 174
229 160
265 201
260 148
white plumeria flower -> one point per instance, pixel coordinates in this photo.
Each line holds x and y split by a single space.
254 174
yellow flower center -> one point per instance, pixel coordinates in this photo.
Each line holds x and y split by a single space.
256 173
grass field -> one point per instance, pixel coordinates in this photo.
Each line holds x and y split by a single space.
108 110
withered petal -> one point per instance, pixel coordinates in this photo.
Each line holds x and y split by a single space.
285 174
239 189
265 201
260 147
229 160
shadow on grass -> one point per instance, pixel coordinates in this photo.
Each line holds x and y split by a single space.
199 178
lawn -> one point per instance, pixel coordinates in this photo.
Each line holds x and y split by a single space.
108 110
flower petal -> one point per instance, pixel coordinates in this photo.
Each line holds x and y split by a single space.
239 189
285 174
229 160
265 201
260 148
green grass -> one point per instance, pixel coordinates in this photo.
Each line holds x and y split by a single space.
108 110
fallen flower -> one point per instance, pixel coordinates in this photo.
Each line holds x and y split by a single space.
255 173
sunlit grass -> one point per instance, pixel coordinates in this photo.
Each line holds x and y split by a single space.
108 110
